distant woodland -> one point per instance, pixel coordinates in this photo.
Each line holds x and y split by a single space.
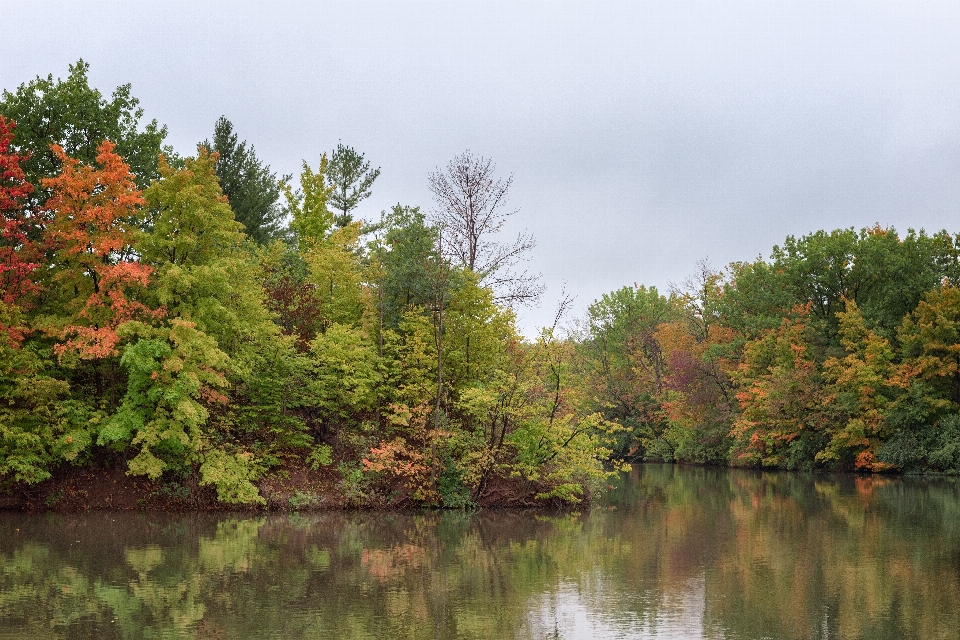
200 316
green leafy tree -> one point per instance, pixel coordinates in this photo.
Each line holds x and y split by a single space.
336 272
187 377
755 298
884 274
192 222
625 365
173 373
204 271
819 269
311 219
41 426
72 114
931 344
351 178
923 419
895 272
345 379
251 188
408 245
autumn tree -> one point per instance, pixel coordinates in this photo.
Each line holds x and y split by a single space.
859 393
697 396
471 209
783 412
91 285
351 179
94 281
252 190
18 252
39 425
294 300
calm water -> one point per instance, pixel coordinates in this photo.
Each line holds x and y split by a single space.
677 552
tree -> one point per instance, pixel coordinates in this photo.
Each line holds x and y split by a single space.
203 273
351 178
251 188
930 336
184 376
18 257
312 220
192 222
93 279
293 300
403 253
923 420
859 392
335 271
78 118
624 363
471 209
784 421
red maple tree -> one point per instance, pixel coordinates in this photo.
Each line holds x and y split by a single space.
18 256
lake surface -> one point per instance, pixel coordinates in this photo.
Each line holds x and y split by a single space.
675 552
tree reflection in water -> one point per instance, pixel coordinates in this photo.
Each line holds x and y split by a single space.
674 552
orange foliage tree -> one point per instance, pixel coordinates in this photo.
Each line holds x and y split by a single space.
781 397
859 394
95 277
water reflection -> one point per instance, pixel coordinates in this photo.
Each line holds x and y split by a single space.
674 553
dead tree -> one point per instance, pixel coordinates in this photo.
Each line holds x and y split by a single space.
471 205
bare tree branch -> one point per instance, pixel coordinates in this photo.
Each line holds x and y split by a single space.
566 302
471 206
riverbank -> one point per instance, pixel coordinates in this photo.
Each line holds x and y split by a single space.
292 487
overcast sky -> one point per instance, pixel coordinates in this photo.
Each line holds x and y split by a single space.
642 136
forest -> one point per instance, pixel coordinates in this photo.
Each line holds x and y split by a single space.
197 316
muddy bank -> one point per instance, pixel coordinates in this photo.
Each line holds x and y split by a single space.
293 487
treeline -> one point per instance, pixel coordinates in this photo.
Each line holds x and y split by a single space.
197 315
841 351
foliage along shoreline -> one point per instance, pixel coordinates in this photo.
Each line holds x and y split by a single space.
201 325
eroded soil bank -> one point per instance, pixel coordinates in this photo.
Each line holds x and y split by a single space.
293 487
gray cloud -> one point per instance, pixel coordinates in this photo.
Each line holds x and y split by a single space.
643 136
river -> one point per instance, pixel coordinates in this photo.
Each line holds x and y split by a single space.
672 552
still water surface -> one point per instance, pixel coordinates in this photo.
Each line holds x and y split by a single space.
676 552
